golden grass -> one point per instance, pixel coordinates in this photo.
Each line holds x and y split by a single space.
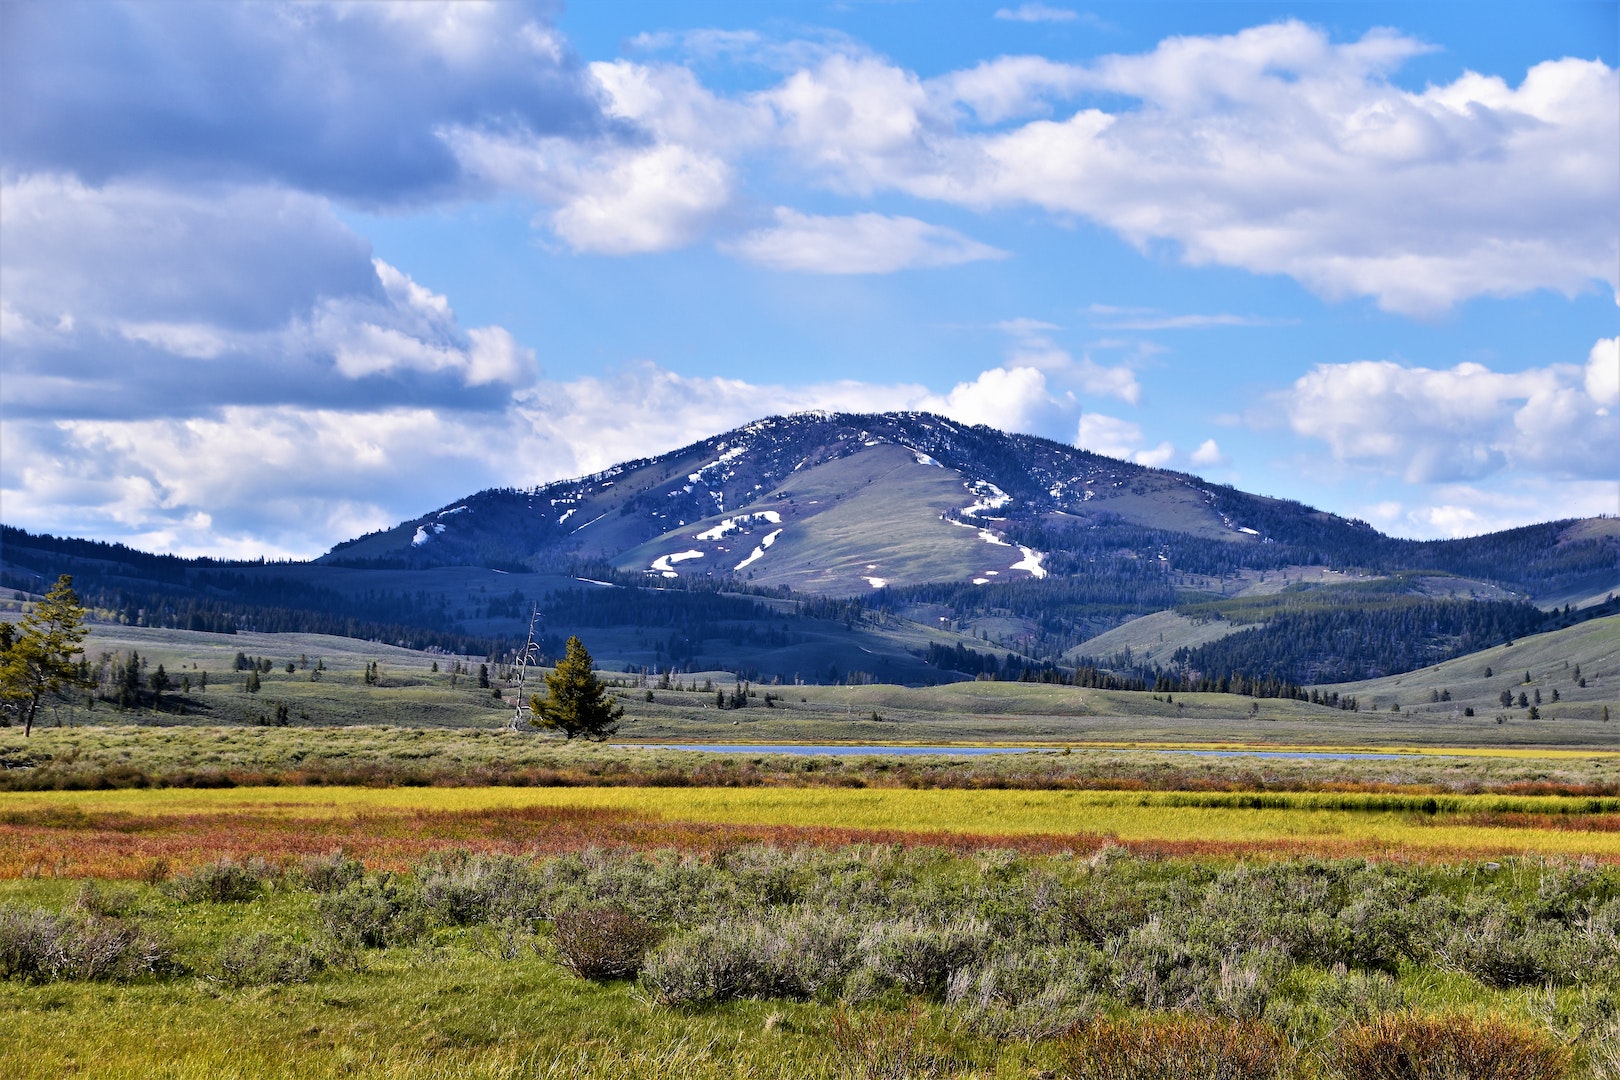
98 831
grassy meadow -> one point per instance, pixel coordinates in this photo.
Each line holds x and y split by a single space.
326 688
764 959
395 884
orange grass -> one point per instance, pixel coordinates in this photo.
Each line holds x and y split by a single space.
55 841
123 845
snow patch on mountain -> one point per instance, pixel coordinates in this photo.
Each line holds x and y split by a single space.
662 563
732 524
759 552
1031 562
989 498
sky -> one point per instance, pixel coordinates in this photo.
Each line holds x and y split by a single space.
274 275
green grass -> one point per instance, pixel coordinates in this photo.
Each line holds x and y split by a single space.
411 694
464 1000
1551 660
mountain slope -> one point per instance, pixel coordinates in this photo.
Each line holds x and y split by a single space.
842 504
853 500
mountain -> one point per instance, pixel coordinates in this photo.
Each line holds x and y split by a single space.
900 546
840 504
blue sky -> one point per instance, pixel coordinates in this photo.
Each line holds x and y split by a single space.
275 275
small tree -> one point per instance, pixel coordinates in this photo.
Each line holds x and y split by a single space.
576 701
43 657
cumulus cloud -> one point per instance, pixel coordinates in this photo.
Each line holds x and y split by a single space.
1116 438
856 244
1008 87
1603 373
1274 150
1453 510
1209 455
1034 347
132 300
1465 423
657 184
341 99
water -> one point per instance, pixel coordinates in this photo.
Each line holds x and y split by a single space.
976 751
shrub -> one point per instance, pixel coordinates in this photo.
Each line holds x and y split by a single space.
1413 1046
798 953
1163 968
41 946
602 941
224 882
1603 1053
1360 996
1104 910
462 890
373 912
265 960
713 963
329 872
107 901
1502 949
1173 1049
1027 995
920 957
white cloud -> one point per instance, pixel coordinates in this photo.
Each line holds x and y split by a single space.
1010 398
194 341
1116 438
1156 457
1107 317
1274 150
1209 455
342 99
1009 87
652 200
856 244
619 195
864 123
1035 13
1035 348
1453 510
128 299
1603 372
1465 423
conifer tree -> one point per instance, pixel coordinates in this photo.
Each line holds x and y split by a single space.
43 656
576 701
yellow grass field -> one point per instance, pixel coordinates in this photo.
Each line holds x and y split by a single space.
1388 826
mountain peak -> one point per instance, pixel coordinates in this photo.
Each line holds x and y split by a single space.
827 502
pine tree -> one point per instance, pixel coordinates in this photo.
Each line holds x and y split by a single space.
42 659
576 701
